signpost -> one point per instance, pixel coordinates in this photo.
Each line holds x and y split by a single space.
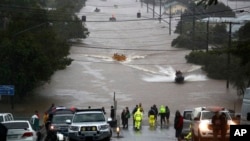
8 90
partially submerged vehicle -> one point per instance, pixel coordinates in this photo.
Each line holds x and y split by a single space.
179 78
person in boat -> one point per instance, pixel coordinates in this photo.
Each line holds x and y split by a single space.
178 73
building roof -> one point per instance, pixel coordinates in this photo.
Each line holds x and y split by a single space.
167 5
238 22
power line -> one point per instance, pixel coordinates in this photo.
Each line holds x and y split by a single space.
61 12
134 49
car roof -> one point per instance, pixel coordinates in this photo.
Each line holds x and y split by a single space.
63 111
89 110
210 108
5 113
61 115
13 121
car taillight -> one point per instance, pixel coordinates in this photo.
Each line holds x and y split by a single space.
27 134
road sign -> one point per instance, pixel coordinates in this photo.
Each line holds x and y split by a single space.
7 90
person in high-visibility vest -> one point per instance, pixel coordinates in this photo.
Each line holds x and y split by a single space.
151 117
162 114
138 119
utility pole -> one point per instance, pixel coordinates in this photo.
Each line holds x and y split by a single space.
153 8
207 34
193 35
228 54
181 24
170 16
160 12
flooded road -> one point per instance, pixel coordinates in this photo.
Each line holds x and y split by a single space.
147 76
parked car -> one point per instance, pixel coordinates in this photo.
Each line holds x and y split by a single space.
20 130
56 126
202 125
6 117
89 124
58 121
187 121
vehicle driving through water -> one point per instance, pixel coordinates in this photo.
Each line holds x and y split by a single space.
179 78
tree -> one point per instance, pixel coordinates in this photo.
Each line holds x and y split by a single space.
215 61
197 34
32 46
241 49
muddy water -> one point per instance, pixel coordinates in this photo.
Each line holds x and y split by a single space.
147 76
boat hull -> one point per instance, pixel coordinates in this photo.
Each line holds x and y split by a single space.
179 79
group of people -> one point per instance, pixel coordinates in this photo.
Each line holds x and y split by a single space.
153 113
138 112
163 112
219 122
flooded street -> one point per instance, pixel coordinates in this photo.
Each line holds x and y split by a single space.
147 76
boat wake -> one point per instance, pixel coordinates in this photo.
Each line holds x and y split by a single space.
156 73
168 75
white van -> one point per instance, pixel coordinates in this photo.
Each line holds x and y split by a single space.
245 109
6 117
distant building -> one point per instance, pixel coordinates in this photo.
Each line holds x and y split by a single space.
237 22
175 7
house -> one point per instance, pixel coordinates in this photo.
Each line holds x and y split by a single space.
175 7
237 22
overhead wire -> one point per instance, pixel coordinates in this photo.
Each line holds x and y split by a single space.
42 12
17 8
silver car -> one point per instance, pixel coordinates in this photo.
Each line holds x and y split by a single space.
89 124
20 130
186 122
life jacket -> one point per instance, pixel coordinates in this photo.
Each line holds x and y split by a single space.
162 109
138 115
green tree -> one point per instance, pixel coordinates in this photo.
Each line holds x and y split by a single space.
32 46
197 35
215 62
